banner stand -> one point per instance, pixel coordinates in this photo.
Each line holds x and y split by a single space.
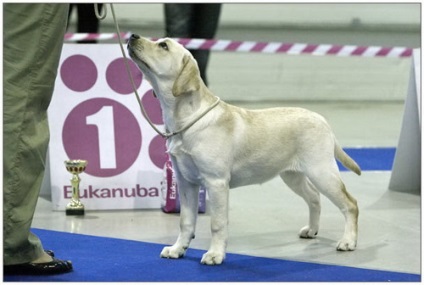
94 116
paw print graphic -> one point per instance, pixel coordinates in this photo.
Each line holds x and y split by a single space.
104 126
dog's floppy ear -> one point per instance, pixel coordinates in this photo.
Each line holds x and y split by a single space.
189 78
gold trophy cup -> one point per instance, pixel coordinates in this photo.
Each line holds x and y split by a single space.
75 207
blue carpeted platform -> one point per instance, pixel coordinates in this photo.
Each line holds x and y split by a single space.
100 259
371 159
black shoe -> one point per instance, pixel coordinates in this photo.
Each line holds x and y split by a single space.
56 266
49 252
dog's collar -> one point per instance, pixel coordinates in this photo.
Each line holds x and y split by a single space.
168 134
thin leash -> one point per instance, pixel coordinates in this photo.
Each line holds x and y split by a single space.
127 67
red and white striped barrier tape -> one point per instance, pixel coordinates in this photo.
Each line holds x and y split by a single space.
266 47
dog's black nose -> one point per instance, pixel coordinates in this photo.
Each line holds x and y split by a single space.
134 36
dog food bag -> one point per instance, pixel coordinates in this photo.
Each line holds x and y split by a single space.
169 190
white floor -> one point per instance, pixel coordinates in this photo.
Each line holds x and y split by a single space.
265 219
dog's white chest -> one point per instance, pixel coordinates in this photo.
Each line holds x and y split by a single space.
182 160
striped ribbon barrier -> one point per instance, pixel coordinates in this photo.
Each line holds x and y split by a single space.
70 37
265 47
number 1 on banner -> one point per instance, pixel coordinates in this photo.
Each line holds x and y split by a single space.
104 122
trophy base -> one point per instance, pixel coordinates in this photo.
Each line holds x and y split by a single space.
75 212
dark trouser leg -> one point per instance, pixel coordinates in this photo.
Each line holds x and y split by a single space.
205 24
193 21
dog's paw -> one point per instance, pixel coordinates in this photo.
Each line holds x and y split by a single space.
307 232
172 252
346 245
213 258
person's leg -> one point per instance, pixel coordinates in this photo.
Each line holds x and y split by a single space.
206 20
205 23
178 22
87 20
32 42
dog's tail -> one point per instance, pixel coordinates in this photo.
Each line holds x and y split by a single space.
345 159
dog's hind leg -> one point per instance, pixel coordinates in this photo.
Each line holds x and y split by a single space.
327 180
301 185
218 198
189 197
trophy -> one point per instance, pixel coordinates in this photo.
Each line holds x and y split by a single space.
75 207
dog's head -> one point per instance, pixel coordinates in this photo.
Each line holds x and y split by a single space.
167 65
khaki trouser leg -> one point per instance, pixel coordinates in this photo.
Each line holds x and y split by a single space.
32 43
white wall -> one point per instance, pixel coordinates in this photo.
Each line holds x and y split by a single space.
292 14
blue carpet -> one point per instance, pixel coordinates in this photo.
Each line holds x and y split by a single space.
371 159
100 259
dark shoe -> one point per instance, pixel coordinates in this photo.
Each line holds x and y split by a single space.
56 266
49 252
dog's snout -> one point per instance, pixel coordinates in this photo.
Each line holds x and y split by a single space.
135 37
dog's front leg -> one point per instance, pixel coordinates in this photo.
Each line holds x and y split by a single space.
218 197
189 201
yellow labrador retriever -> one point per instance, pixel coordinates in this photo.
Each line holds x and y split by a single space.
220 146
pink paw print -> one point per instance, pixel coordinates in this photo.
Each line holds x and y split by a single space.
102 130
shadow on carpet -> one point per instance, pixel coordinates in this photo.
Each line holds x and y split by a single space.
100 259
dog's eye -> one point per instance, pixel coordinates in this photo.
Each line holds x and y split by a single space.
163 45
